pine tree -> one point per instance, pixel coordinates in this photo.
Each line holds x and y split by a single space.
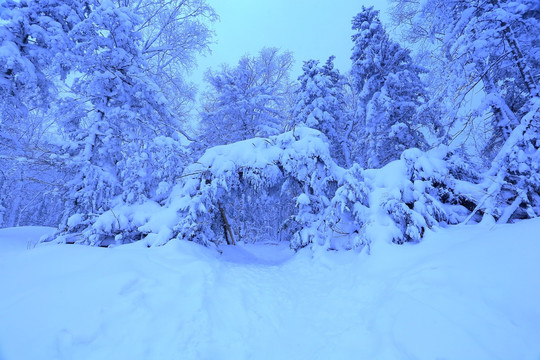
392 123
390 91
320 105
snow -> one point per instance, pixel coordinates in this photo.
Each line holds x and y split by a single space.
464 292
16 239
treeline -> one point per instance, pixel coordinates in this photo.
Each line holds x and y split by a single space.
97 130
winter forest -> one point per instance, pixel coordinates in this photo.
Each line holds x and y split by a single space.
99 137
105 138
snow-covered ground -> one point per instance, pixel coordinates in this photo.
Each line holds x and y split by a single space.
466 292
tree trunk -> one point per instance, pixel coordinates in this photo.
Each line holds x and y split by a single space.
525 72
229 238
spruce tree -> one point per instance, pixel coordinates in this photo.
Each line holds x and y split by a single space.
390 91
320 105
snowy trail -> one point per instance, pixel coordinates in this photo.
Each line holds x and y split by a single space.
465 292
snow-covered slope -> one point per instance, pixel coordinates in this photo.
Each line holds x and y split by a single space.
466 292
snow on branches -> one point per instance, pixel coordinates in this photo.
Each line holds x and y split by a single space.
287 187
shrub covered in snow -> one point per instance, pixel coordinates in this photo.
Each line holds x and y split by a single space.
147 175
397 202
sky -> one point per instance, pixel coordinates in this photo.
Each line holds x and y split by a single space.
310 29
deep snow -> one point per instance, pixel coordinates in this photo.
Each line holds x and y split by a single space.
465 292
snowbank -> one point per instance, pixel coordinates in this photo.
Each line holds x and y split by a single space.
464 292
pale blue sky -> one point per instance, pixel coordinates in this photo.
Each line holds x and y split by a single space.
309 28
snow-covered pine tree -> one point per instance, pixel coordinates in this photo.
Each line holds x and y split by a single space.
248 100
320 105
390 91
391 118
93 118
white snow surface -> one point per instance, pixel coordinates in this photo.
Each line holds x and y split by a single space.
465 292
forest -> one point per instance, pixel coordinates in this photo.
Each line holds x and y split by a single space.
103 136
281 207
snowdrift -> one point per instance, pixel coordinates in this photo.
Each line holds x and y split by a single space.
465 292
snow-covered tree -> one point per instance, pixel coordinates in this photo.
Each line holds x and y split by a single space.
488 48
247 100
320 105
107 76
113 112
34 36
481 47
390 92
392 123
173 32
